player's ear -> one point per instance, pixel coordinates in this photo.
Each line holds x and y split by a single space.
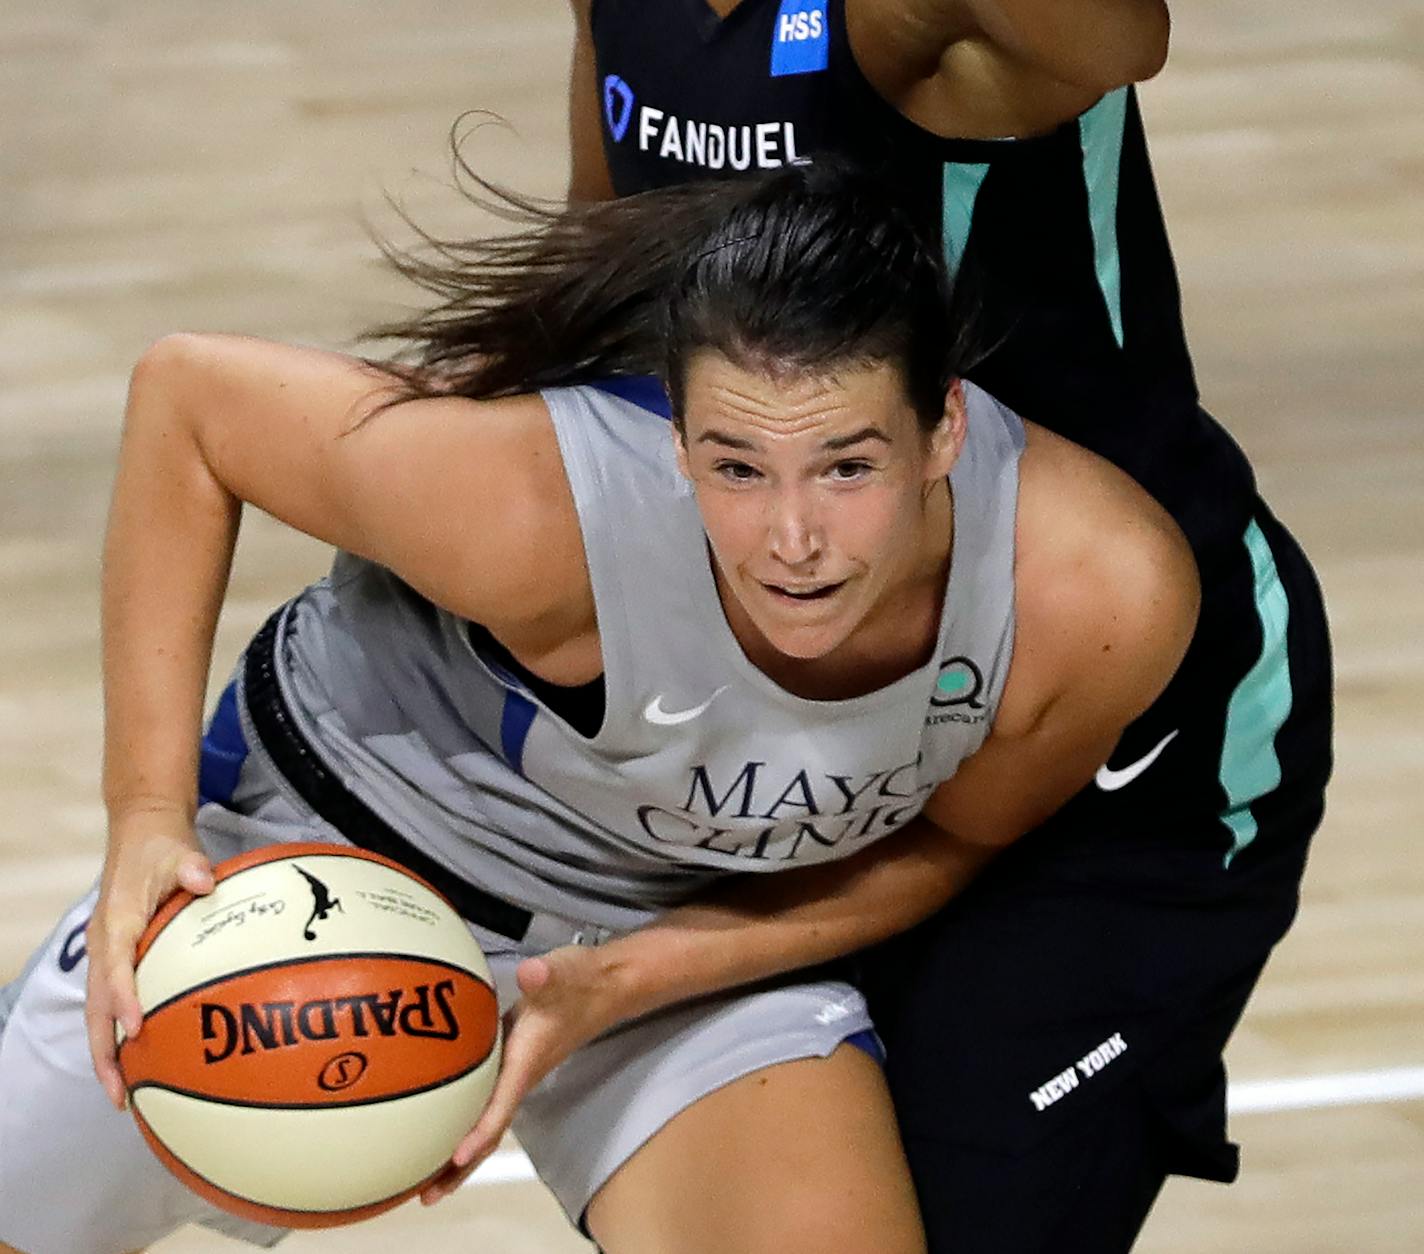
947 438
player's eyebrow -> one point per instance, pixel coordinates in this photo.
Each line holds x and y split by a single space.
721 437
834 444
855 437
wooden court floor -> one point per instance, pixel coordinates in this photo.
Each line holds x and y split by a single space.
167 165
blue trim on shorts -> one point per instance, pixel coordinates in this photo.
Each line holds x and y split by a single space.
643 390
224 750
867 1040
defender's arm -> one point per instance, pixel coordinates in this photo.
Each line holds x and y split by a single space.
998 68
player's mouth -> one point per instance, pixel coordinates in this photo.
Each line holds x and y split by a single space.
803 593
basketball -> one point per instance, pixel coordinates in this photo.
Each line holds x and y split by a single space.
319 1033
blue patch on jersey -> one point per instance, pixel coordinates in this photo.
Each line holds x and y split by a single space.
800 39
514 725
224 750
866 1040
643 390
617 106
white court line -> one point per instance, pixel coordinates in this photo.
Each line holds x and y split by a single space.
503 1167
1347 1088
1250 1097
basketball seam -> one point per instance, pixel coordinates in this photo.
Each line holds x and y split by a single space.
306 959
338 1105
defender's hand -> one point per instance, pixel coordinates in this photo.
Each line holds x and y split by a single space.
151 856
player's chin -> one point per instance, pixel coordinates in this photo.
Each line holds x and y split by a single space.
804 622
807 641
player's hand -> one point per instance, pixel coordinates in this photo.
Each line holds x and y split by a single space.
151 855
565 1003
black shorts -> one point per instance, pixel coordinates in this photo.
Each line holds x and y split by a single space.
1054 1035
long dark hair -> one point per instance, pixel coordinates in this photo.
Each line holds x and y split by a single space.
804 269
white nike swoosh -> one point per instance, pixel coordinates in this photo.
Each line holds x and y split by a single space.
655 713
1110 780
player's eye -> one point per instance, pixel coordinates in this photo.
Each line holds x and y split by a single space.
736 472
850 470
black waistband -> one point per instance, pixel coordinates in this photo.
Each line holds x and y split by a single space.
293 755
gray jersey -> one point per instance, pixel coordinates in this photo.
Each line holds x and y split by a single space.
702 764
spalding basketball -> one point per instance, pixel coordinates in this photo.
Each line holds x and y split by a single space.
318 1035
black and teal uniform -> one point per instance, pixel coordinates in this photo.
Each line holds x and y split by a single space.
1054 1036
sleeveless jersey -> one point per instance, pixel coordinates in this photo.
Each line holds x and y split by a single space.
1058 239
702 765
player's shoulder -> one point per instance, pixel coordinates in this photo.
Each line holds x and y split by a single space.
1106 587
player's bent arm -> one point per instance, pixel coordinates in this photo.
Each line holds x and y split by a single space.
1063 721
1095 646
588 165
423 488
467 501
753 927
992 68
1099 44
747 929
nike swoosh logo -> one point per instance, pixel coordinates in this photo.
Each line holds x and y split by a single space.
1110 780
655 713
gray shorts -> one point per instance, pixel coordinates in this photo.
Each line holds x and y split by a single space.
77 1178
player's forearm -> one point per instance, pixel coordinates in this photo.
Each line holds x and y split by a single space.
1094 45
589 178
758 926
1098 44
167 551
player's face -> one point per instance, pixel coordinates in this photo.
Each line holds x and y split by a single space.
823 498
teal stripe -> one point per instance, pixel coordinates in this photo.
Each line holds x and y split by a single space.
1250 766
962 181
1100 134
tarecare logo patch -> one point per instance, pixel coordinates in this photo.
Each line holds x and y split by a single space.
960 682
801 39
955 698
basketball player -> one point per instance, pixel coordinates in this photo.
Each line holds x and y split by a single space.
595 672
1010 132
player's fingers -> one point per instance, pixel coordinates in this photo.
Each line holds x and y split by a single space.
124 1003
105 1060
533 976
526 1060
195 873
445 1184
111 970
103 1050
480 1141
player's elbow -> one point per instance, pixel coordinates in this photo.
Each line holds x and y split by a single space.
1141 50
1130 48
164 366
171 391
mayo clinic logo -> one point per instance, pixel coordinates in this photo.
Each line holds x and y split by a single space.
617 106
959 684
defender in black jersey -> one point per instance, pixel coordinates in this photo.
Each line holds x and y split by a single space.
1055 1036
